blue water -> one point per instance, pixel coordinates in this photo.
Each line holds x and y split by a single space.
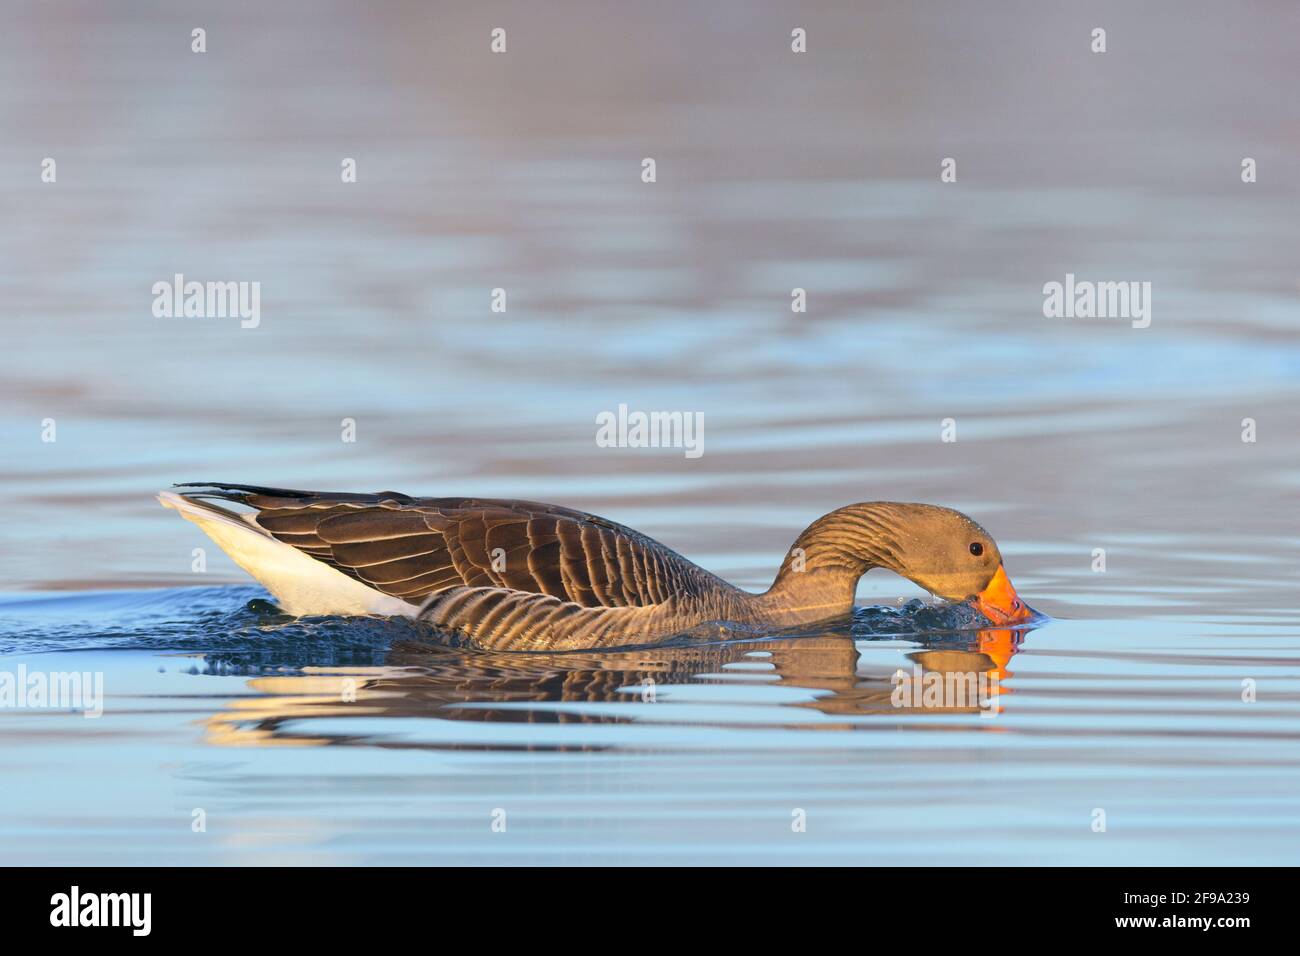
326 740
1153 719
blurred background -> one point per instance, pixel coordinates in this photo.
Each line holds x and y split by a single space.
775 170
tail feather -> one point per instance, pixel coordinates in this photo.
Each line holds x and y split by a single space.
302 584
199 509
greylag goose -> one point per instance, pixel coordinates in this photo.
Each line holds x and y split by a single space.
521 575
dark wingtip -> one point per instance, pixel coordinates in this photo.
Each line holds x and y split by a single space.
247 489
231 492
225 491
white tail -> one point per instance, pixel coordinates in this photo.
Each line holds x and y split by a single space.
299 582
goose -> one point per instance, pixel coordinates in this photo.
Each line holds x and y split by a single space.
512 575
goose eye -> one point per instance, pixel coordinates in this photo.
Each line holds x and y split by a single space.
976 548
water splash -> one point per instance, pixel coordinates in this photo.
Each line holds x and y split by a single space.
238 627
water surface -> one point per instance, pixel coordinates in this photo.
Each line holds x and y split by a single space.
774 172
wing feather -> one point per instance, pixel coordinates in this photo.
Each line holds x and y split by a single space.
414 547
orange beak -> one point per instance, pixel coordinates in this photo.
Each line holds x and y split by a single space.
1000 603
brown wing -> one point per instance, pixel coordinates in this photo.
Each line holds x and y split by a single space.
413 547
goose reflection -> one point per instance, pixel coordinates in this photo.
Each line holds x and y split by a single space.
948 675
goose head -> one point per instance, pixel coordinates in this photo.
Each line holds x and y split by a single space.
952 557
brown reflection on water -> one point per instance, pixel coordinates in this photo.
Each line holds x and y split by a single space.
962 677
